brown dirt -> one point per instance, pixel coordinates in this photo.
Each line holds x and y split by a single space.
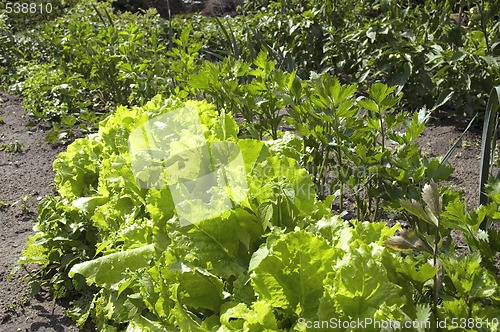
27 176
438 137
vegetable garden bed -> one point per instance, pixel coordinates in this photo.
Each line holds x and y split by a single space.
209 224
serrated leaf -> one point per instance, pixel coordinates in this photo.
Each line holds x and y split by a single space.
266 211
492 190
416 209
408 240
430 195
361 286
423 315
438 171
455 217
292 274
379 91
415 271
469 277
368 104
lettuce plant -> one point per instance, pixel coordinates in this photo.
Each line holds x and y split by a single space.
275 258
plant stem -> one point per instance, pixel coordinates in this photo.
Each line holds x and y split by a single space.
460 13
339 159
378 177
376 213
483 26
320 178
436 276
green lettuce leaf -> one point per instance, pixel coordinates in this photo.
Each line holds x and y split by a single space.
111 270
290 273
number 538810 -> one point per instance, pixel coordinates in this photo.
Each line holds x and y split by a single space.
28 7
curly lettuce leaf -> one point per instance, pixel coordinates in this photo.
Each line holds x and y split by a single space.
290 274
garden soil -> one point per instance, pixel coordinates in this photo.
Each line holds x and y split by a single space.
27 176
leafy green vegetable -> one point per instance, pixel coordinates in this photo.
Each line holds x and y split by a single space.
290 274
271 261
97 270
206 226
